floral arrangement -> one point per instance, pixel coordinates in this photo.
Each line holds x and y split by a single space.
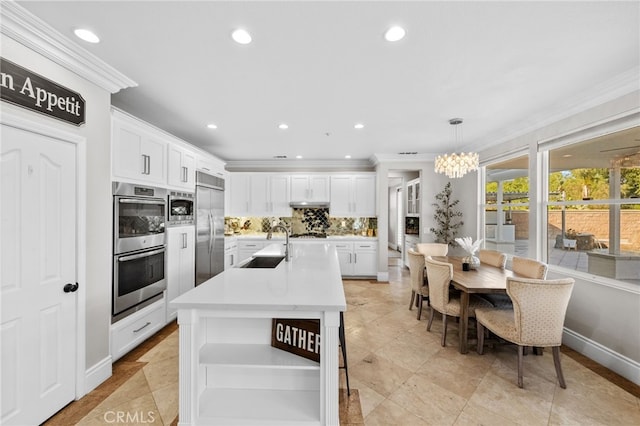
468 245
471 248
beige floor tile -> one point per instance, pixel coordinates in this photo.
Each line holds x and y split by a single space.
166 400
141 410
389 413
137 386
474 415
166 349
162 373
429 401
380 374
369 399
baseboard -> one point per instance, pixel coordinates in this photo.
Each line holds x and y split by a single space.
97 374
604 356
383 277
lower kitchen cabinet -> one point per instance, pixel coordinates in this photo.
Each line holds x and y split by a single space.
358 259
180 268
246 249
130 331
230 253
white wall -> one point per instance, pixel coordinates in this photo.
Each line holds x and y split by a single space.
98 215
603 317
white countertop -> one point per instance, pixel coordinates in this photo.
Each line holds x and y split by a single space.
280 236
310 281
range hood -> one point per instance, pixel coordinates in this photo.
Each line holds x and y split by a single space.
309 204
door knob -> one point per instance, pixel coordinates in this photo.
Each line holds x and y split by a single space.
70 288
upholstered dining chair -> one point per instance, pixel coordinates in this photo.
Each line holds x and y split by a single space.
493 258
537 318
433 249
529 268
441 300
419 289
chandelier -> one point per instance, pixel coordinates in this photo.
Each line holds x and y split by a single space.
456 165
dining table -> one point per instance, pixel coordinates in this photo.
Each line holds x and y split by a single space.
483 279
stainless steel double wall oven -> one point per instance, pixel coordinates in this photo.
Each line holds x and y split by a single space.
140 214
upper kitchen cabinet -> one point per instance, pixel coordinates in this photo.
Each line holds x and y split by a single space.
353 195
259 194
269 195
210 165
413 197
310 188
182 168
139 153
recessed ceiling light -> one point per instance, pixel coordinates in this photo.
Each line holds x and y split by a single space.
567 155
283 126
358 126
212 126
299 157
347 156
241 36
86 35
395 34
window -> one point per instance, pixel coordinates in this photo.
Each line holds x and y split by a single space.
506 208
593 206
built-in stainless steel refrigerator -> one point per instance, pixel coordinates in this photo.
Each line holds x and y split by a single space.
209 226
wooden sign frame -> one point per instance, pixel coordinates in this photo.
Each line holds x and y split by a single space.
297 336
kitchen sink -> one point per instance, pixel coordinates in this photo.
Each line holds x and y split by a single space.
263 262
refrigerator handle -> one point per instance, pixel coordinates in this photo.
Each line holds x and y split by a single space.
212 232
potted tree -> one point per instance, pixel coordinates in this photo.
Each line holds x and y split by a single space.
447 218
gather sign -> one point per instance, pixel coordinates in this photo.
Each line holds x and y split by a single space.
29 90
297 336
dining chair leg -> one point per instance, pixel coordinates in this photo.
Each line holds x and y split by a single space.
480 331
430 320
413 295
520 365
556 362
444 329
419 306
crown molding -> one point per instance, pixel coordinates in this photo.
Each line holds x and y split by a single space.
398 158
27 29
291 165
623 84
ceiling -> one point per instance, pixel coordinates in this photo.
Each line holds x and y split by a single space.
321 67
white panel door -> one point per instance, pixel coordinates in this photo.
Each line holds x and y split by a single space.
38 258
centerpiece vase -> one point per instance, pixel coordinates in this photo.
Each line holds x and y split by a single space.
472 260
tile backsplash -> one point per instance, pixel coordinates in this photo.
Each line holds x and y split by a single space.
307 220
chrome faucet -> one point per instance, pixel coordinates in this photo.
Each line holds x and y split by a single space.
286 233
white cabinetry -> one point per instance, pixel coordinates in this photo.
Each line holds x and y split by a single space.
310 188
210 165
409 243
353 195
180 263
358 259
230 252
269 195
139 152
413 197
182 168
130 331
259 195
246 249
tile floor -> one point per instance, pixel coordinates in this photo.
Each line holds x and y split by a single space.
400 373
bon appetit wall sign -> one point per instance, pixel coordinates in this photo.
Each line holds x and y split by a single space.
29 90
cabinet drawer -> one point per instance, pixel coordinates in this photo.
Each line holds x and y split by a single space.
366 246
129 332
247 245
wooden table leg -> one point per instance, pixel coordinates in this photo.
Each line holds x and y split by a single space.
464 321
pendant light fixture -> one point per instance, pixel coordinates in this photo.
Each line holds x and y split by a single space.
456 165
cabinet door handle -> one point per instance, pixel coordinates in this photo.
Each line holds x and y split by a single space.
355 257
232 260
349 257
148 168
144 326
184 240
145 164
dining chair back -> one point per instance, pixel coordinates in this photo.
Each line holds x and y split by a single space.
419 289
529 268
493 258
433 249
440 275
537 318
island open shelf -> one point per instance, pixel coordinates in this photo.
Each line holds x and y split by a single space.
230 373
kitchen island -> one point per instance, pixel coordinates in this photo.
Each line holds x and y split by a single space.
229 371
